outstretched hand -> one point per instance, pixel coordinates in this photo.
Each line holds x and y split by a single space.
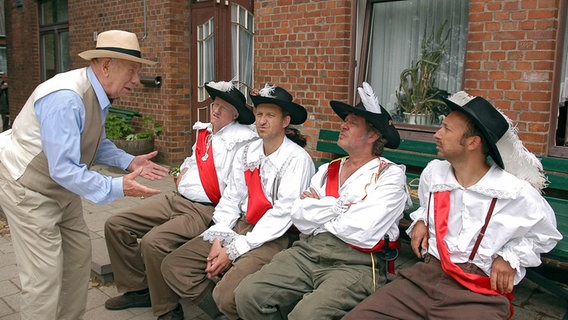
132 188
150 170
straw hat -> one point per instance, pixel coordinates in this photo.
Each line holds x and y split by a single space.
116 44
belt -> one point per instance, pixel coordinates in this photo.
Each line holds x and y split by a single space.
198 202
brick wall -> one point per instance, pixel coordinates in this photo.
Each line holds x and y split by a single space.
510 60
166 40
304 47
23 52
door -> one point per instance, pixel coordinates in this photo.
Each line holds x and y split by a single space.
216 44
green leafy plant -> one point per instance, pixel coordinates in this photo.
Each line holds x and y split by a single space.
416 93
117 128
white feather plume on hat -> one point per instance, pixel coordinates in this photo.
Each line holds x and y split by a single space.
369 99
267 91
519 161
224 86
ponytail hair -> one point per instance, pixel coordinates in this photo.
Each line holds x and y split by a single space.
296 136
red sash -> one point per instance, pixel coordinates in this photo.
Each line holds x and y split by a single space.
257 204
474 282
206 167
332 184
332 190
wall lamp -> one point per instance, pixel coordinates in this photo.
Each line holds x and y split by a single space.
152 82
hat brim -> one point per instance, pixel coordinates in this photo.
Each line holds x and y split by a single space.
92 54
245 114
490 138
383 122
298 113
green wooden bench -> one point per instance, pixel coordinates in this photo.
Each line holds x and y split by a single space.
126 114
416 154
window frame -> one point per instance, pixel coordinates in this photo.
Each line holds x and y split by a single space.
407 131
553 149
56 28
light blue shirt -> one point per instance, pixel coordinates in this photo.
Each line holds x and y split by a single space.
61 115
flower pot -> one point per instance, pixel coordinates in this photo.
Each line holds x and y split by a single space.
136 147
418 118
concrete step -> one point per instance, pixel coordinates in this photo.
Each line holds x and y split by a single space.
100 264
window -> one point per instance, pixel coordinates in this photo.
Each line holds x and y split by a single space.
561 138
393 35
3 60
205 57
54 37
242 39
2 20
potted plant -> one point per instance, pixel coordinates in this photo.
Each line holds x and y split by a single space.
416 96
123 135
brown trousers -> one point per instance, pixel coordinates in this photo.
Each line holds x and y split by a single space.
184 269
425 291
163 223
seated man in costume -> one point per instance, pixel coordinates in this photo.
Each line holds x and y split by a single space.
351 205
139 238
480 224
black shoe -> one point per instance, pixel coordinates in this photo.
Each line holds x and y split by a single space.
176 314
135 299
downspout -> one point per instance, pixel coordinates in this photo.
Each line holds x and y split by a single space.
145 32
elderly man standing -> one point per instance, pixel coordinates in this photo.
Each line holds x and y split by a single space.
164 223
44 172
480 224
351 205
253 214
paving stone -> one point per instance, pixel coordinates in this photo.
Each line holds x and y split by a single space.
5 309
7 288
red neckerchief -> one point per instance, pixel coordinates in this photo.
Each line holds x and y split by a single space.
206 167
474 282
257 204
332 190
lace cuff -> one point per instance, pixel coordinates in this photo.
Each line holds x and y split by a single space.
238 247
224 234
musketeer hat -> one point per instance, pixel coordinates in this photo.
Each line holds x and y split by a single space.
116 44
486 118
228 92
370 109
279 96
505 147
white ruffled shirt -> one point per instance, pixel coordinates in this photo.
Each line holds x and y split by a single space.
523 224
225 144
285 174
377 205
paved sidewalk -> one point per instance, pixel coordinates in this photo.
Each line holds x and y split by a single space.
530 301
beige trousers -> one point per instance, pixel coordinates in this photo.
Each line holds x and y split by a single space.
184 269
53 251
162 223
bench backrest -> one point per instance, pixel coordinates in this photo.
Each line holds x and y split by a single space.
126 114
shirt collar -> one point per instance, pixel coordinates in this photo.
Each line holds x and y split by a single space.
104 101
496 183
